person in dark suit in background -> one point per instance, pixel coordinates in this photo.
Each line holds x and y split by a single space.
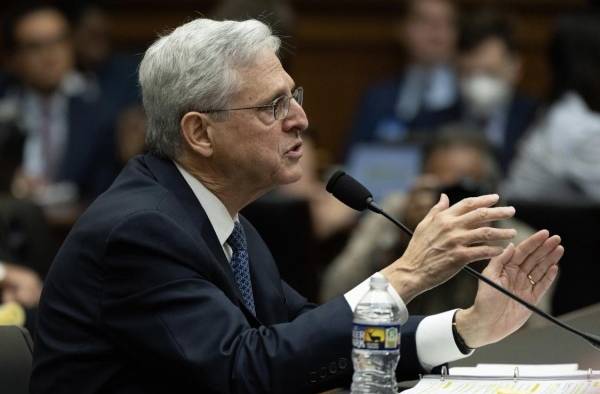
163 287
111 75
490 69
68 133
424 96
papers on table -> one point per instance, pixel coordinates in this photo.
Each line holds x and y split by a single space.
512 379
521 370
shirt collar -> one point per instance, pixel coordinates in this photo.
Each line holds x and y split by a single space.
218 216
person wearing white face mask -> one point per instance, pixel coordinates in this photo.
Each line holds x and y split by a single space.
484 94
489 68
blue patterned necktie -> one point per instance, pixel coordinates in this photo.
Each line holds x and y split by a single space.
240 265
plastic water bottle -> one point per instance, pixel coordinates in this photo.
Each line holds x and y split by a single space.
376 340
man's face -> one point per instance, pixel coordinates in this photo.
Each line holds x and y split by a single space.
488 76
430 31
251 146
92 38
43 55
453 163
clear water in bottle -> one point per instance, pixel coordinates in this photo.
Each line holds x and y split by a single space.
376 340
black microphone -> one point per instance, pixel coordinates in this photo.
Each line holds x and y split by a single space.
352 193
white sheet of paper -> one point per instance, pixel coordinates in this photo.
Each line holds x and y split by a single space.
523 370
431 385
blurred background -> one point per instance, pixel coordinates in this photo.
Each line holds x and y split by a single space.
414 98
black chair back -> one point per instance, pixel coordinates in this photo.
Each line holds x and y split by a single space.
16 355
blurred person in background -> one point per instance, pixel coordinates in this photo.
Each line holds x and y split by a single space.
490 68
558 161
457 162
25 255
19 284
424 96
67 135
113 76
278 14
20 290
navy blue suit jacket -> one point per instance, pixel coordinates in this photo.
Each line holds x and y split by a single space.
141 299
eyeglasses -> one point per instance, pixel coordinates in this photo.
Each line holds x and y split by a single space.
280 106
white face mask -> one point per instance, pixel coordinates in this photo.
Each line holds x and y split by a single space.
483 94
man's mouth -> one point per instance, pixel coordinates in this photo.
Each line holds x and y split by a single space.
295 152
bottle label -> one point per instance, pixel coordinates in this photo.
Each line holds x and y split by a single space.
376 337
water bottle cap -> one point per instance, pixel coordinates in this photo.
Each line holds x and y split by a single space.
378 281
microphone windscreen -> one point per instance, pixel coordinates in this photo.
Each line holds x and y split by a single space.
348 190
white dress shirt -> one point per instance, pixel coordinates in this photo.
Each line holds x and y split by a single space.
434 338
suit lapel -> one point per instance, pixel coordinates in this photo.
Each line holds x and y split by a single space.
167 175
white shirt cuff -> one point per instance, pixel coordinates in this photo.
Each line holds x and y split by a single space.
435 341
354 296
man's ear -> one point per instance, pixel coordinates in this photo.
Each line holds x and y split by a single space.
195 132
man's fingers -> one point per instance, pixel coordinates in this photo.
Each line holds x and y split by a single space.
487 234
545 282
552 258
485 215
528 246
477 253
472 203
442 204
540 253
496 264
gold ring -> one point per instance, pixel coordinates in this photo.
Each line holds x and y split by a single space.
531 280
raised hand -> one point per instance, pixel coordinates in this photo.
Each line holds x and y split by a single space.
527 270
447 239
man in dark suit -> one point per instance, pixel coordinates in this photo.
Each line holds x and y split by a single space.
424 96
163 287
68 129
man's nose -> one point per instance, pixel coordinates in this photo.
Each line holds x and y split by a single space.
296 119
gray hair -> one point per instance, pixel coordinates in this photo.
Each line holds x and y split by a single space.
195 68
